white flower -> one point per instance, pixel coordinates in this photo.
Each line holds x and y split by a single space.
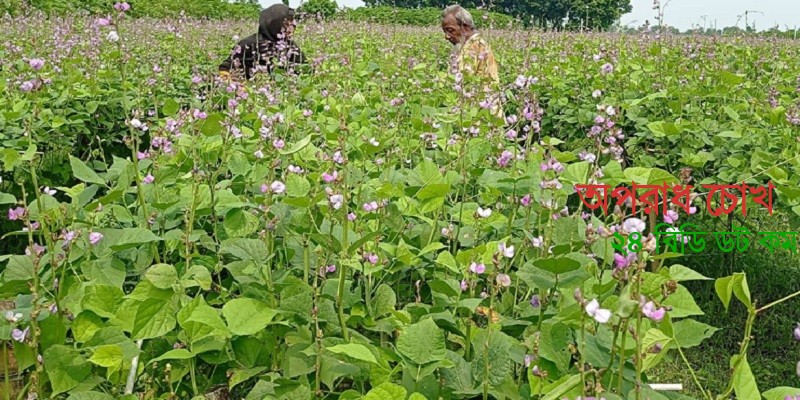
599 314
277 187
633 225
374 142
610 111
484 213
508 251
537 241
112 36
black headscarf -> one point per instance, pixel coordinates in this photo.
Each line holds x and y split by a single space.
272 19
262 48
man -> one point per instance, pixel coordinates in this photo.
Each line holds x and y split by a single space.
473 55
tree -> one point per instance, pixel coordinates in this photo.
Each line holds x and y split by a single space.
323 8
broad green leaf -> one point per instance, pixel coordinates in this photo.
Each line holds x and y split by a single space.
557 265
90 396
563 388
680 273
132 237
240 223
297 186
65 367
780 393
299 145
107 356
175 354
242 375
494 356
682 303
247 316
384 300
386 391
422 343
744 382
154 318
162 276
82 172
354 350
690 333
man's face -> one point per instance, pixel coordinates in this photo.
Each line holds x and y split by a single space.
453 32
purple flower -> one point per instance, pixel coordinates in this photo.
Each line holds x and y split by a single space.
526 200
535 302
149 179
476 268
606 69
528 359
372 258
464 285
36 249
103 22
328 178
19 335
650 311
337 157
670 217
308 113
631 225
122 7
330 269
196 79
26 86
95 237
503 280
621 262
197 114
16 213
36 63
278 143
351 217
370 207
277 187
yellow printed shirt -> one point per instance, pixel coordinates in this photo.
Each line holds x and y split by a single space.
476 58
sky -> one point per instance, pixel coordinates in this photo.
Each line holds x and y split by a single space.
683 14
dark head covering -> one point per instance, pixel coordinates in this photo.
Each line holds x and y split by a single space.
265 47
271 22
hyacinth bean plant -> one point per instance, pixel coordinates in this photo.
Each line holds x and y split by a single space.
367 229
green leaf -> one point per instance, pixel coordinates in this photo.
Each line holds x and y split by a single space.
744 382
240 223
649 176
242 375
89 396
557 265
563 388
386 391
133 237
724 290
680 273
175 354
297 146
780 393
494 356
162 276
385 300
422 343
82 172
297 186
65 367
690 333
154 318
107 356
247 316
170 107
682 303
354 350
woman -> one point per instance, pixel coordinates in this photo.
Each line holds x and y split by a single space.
268 49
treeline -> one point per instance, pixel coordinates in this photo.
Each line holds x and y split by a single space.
544 14
423 16
214 9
